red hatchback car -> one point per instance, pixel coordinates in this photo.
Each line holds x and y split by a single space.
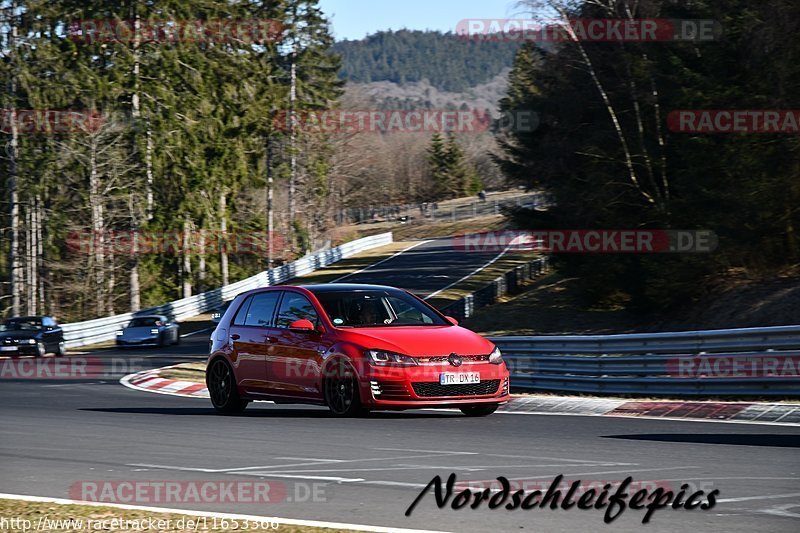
353 348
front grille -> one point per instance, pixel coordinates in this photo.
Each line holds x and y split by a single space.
465 358
431 389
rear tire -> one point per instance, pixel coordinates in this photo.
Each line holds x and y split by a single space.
479 410
222 388
61 349
177 338
341 390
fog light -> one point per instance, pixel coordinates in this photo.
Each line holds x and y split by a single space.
376 388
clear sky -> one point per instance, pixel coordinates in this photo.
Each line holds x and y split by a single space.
354 19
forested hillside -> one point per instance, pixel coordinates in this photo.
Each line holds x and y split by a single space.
447 61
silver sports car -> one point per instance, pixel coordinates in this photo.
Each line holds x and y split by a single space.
152 330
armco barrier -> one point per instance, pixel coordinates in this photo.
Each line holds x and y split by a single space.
508 283
104 329
654 364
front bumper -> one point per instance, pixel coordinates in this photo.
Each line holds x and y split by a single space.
138 342
416 387
19 349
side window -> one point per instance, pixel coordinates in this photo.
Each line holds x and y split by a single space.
238 320
47 321
261 309
295 307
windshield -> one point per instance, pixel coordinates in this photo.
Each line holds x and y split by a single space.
375 308
21 324
144 322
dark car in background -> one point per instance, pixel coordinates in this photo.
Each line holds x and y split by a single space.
149 330
31 335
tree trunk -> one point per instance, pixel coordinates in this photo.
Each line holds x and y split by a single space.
223 239
186 271
39 212
14 265
201 261
98 229
136 116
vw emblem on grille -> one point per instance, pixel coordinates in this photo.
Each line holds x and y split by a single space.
454 359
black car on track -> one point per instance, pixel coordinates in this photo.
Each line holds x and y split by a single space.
31 335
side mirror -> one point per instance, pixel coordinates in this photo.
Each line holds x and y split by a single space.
452 320
302 325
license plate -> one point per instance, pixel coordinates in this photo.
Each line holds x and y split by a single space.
452 378
8 348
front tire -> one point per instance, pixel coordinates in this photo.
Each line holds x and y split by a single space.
479 410
341 390
222 388
41 349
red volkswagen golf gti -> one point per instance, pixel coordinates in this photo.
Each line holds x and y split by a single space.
353 348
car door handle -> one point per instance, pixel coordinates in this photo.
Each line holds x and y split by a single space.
234 337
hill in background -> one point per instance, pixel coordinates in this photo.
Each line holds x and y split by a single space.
449 63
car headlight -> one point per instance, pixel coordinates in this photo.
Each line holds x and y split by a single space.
496 358
154 331
381 358
120 333
31 341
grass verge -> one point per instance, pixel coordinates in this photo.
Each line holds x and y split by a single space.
195 372
74 518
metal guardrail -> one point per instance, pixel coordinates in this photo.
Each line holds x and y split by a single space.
104 329
743 362
509 283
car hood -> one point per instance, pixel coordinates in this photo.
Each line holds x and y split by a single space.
420 340
18 334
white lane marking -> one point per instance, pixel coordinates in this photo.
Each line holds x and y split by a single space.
373 265
571 474
381 469
195 332
279 467
314 459
748 498
229 516
438 452
782 510
554 459
318 478
501 254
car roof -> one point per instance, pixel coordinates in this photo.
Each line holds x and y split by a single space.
160 317
335 287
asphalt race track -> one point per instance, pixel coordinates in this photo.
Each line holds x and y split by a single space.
59 433
424 269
